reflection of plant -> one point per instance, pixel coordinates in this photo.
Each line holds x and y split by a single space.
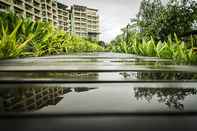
160 75
172 97
165 76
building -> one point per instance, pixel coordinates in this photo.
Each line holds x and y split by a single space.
25 8
84 22
63 17
79 20
49 11
93 23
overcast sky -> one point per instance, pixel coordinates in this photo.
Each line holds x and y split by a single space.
114 14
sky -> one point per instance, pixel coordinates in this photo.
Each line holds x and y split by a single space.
114 14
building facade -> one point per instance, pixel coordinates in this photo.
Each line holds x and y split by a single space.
79 20
63 17
25 8
85 22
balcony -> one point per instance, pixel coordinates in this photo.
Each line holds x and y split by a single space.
49 1
36 4
43 6
4 6
54 11
30 2
37 18
37 11
18 3
19 11
29 15
7 2
65 18
54 4
49 8
55 23
49 15
28 7
54 17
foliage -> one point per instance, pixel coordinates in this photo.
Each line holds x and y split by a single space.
158 19
156 31
23 37
9 45
173 48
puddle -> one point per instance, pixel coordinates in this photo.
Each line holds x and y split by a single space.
121 83
102 76
97 99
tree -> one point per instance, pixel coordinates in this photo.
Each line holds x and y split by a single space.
158 19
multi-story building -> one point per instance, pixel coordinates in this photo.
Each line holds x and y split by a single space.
93 23
63 17
25 8
84 22
49 11
79 20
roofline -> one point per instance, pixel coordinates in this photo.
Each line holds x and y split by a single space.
85 7
63 5
92 9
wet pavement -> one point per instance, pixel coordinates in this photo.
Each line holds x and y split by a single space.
96 83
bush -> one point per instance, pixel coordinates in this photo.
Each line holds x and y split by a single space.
23 37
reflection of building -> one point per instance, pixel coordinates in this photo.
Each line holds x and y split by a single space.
32 99
79 20
81 76
159 75
25 99
84 89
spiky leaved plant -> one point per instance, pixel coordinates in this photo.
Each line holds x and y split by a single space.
10 47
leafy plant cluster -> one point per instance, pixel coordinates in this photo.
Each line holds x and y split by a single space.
159 31
173 48
24 37
159 18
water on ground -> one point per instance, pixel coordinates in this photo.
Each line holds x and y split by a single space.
93 83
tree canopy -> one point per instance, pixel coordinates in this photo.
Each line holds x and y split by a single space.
158 19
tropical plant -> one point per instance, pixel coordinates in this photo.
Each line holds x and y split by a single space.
23 37
173 48
10 47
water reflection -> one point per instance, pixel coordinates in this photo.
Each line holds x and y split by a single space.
98 99
31 99
160 75
171 97
100 76
49 75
